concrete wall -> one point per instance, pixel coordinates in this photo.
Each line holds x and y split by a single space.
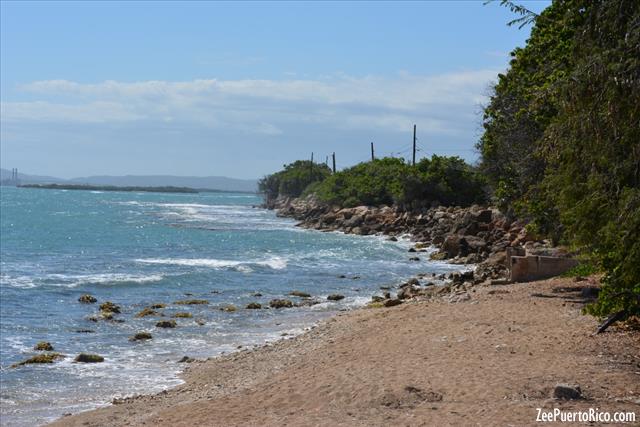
533 267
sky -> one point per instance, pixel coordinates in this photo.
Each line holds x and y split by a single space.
239 89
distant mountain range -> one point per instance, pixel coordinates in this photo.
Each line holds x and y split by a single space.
201 182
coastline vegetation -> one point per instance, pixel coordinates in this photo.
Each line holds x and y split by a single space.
560 148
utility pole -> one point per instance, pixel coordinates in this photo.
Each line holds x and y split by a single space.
414 145
373 157
311 168
334 161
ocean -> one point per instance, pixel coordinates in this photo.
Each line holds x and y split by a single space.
138 249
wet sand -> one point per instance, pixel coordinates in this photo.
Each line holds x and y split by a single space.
488 360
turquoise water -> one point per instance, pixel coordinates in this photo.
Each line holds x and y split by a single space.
137 249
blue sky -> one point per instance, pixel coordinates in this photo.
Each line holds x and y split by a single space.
238 89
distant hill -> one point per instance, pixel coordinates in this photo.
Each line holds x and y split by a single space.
206 182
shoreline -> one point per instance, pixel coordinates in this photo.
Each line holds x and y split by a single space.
491 358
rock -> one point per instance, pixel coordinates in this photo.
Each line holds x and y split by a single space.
454 245
256 294
438 256
377 298
375 304
567 392
186 359
87 299
166 324
412 250
280 303
414 282
43 346
392 302
335 297
109 307
192 302
229 308
307 303
392 239
342 276
40 358
157 306
300 294
254 306
141 336
182 315
85 331
146 312
415 258
88 358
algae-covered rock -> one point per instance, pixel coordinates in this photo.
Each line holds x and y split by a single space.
254 306
43 346
141 336
146 312
40 358
299 294
157 306
88 358
182 315
109 307
438 256
375 304
229 308
191 302
335 297
280 303
166 324
87 299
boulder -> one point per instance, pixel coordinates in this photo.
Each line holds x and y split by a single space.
392 302
567 392
43 346
141 336
300 294
254 306
280 303
146 312
192 302
88 358
157 306
182 315
166 324
229 308
87 299
109 307
335 297
40 358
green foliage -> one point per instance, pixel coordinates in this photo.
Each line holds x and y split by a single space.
387 181
561 145
293 179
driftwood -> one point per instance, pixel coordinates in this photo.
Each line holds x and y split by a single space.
610 320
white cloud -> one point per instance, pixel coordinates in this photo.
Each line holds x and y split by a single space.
262 106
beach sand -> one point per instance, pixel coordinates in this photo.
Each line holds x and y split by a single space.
488 360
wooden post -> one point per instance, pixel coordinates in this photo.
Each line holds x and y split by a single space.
414 145
373 157
334 161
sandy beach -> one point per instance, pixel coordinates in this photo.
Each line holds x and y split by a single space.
491 359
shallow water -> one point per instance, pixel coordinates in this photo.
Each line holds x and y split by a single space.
136 249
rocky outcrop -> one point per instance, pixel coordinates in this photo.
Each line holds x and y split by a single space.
473 235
